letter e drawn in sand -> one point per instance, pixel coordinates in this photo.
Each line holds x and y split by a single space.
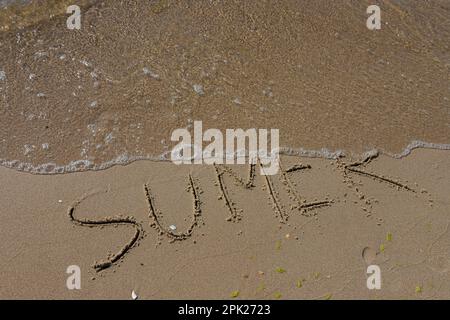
300 204
108 221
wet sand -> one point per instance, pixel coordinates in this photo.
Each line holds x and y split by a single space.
117 88
396 209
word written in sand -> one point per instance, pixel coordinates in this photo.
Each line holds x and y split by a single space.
300 204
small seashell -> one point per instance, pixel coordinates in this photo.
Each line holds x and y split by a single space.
172 227
198 89
134 296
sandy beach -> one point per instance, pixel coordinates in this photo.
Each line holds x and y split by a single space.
86 177
263 253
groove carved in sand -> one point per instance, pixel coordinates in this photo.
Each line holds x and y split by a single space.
114 220
301 204
277 204
235 213
354 168
156 216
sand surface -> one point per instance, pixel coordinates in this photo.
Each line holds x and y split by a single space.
256 246
114 91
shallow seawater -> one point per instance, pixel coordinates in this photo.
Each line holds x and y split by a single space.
5 3
114 91
19 14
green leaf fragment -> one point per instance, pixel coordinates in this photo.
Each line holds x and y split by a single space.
235 294
328 296
280 270
261 287
278 245
389 237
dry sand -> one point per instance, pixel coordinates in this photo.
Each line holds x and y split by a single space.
407 230
114 91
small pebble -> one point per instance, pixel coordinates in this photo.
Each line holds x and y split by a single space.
150 73
199 89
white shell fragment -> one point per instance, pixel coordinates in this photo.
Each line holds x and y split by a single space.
199 89
134 296
172 227
150 73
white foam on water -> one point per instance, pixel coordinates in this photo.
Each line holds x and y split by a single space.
124 159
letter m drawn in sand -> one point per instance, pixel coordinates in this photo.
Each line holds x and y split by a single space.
236 213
